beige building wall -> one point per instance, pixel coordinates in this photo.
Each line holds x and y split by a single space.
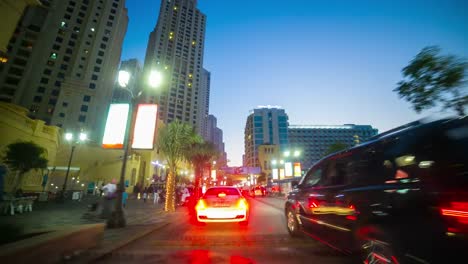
266 154
11 12
16 126
90 163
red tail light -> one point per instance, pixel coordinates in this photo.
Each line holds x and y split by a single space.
201 205
458 210
242 204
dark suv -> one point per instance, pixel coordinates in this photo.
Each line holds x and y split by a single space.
401 197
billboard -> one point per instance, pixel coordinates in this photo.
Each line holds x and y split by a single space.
213 175
145 126
288 169
281 174
116 124
275 174
297 169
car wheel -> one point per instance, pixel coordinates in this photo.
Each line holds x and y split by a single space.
292 224
376 248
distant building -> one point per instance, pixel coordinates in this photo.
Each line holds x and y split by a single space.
314 140
267 154
124 94
215 135
63 62
176 47
265 125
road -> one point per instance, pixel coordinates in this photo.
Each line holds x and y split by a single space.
265 240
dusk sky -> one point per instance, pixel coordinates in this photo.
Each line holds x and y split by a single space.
324 62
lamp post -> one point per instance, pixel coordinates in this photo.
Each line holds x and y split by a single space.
117 218
69 137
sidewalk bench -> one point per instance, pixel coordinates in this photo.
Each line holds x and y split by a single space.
19 205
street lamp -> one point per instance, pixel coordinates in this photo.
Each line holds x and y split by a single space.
297 153
155 79
69 137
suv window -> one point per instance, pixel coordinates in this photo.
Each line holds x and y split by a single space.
312 177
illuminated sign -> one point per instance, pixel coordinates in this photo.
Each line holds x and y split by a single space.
275 174
297 169
281 173
145 126
116 124
288 168
213 175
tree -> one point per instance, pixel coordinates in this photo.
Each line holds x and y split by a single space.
200 153
335 147
431 79
23 157
174 141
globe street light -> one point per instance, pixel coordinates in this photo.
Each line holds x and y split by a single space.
155 79
69 137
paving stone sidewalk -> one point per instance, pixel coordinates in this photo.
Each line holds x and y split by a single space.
50 215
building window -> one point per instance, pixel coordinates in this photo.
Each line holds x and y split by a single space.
37 99
57 83
52 101
97 69
84 108
66 58
59 39
86 98
47 71
92 86
69 51
41 89
94 77
44 80
109 24
64 104
101 53
98 61
62 115
56 47
71 43
64 67
82 118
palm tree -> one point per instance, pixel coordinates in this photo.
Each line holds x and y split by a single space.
200 153
23 157
173 141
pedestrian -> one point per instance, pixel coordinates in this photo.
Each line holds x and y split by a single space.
110 193
145 194
124 198
155 195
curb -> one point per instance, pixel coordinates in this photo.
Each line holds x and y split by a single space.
102 253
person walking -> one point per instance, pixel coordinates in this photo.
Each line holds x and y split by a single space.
155 195
124 198
145 194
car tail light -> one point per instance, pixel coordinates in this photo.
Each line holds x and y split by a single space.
458 210
201 205
242 204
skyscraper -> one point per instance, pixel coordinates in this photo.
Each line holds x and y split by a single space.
175 48
62 62
215 136
205 95
265 125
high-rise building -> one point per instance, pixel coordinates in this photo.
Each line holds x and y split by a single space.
63 60
11 12
265 125
176 49
215 136
205 95
314 140
124 94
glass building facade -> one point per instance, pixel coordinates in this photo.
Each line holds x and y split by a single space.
265 125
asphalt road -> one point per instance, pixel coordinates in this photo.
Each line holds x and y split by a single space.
265 240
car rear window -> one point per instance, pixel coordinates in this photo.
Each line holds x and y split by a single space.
216 191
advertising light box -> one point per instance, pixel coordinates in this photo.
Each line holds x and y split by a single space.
116 124
281 174
145 126
275 174
288 168
297 169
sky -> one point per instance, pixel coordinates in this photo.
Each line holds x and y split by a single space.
325 62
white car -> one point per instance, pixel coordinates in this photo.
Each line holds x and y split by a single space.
223 204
